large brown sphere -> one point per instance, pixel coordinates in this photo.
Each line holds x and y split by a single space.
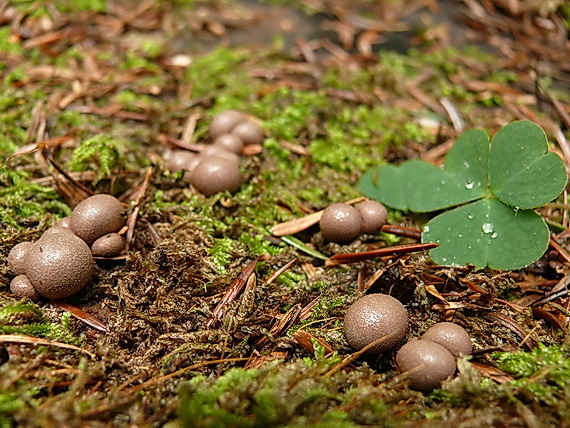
451 336
59 265
96 216
374 216
428 363
340 222
249 132
17 257
229 142
214 150
372 317
225 121
216 174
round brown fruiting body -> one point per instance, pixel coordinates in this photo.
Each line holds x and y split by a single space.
22 287
249 132
109 245
216 174
374 316
230 142
451 336
220 152
225 121
17 257
374 216
59 265
428 364
180 160
57 230
64 222
96 216
340 222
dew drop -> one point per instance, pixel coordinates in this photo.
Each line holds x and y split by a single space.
494 235
469 247
460 235
487 228
444 260
470 216
469 185
426 229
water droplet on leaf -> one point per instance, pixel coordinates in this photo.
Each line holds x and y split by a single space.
487 228
469 185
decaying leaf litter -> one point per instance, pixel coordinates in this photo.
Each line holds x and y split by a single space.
96 92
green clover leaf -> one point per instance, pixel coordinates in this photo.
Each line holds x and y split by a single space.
499 180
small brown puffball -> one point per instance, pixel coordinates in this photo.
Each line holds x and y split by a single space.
249 132
64 222
374 316
179 160
59 265
220 152
57 230
340 222
109 245
96 216
225 121
428 363
22 287
17 257
374 216
451 336
230 142
216 174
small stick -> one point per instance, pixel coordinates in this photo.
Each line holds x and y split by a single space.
280 271
30 340
81 315
407 232
340 259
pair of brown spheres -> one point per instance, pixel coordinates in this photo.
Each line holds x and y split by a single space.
381 319
217 167
61 262
341 222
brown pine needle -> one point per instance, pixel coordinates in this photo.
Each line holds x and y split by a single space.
341 259
30 340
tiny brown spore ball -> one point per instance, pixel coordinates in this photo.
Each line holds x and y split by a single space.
96 216
249 132
224 122
220 152
451 336
17 257
340 222
59 265
374 316
22 287
230 142
430 363
109 245
179 160
216 174
374 216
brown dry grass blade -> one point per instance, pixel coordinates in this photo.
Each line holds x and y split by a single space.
286 321
280 271
407 232
140 194
299 224
341 259
232 292
72 190
30 340
81 315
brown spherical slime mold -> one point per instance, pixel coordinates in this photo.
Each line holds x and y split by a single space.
340 222
17 257
451 336
109 245
249 132
179 160
225 121
97 216
64 222
22 287
230 142
372 317
427 364
58 230
219 151
374 216
59 265
216 174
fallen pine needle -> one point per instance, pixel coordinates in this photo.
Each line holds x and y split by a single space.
30 340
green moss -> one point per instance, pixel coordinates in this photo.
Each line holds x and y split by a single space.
99 153
10 403
9 44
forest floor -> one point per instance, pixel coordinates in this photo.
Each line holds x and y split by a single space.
94 93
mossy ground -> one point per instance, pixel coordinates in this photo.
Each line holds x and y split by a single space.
105 89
